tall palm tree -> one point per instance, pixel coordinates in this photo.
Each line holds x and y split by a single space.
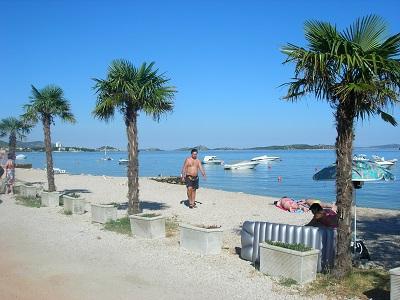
46 104
15 129
357 71
130 90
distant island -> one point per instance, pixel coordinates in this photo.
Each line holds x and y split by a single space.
39 146
283 147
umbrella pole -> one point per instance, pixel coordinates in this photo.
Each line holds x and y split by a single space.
355 223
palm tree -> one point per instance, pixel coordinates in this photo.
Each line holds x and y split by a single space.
358 72
46 104
130 90
15 129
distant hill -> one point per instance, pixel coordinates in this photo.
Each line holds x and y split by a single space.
109 148
199 147
283 147
34 144
294 147
388 146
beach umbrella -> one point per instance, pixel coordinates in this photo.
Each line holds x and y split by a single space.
362 171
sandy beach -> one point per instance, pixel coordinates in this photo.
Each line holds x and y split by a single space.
48 255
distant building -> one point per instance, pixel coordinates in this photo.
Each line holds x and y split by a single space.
58 145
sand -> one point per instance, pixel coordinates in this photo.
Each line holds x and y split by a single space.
48 255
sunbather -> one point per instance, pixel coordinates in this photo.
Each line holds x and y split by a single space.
291 205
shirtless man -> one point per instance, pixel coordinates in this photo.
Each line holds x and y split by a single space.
189 175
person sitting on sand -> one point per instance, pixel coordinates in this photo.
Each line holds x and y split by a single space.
309 201
323 217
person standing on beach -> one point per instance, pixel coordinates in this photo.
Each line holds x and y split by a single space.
189 175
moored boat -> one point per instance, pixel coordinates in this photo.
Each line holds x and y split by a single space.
264 158
243 165
382 162
20 156
212 160
123 161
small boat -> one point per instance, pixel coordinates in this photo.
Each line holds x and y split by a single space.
59 171
105 155
360 157
243 165
20 157
264 158
382 162
123 161
212 160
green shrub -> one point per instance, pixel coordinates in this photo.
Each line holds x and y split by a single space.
296 247
29 201
122 226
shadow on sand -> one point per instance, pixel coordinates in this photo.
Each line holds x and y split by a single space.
381 235
71 191
149 205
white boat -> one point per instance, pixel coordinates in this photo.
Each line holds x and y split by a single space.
59 171
382 162
20 157
264 158
360 157
123 161
212 160
105 155
242 165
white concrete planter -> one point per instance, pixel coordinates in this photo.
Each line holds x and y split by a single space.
201 240
278 261
102 213
17 187
3 186
74 205
30 190
147 227
50 199
394 283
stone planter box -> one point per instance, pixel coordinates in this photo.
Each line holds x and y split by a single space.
30 190
102 213
394 283
50 199
17 188
74 205
3 186
147 227
201 240
278 261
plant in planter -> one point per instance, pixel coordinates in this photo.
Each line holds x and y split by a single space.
74 203
295 261
148 225
202 239
102 213
50 199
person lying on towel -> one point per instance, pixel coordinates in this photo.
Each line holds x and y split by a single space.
303 205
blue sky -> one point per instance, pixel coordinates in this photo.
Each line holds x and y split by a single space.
222 56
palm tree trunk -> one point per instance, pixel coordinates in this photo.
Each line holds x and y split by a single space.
133 164
12 145
344 186
49 155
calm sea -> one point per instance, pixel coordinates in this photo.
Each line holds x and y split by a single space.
296 169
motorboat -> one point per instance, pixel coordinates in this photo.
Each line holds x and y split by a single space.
243 165
360 157
265 158
382 162
59 171
123 161
20 157
212 160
